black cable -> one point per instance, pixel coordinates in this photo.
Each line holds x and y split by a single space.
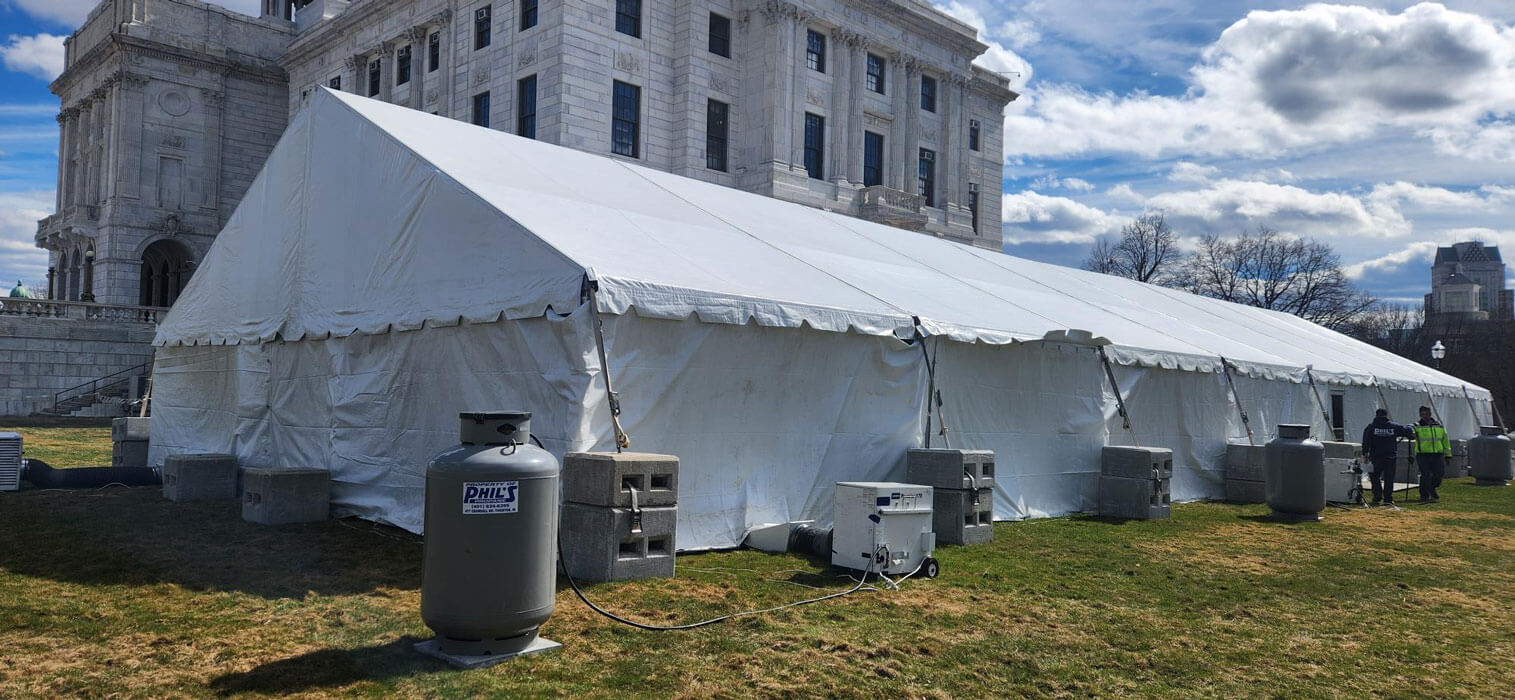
711 621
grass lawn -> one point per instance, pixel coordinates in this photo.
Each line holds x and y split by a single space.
119 593
63 446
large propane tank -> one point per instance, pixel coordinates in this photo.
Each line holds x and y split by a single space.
1489 457
491 537
1294 474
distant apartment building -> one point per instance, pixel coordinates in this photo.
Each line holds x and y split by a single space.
1468 284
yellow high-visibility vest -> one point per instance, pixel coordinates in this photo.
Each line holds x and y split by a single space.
1432 439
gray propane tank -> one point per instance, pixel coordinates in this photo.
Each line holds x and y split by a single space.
491 538
1489 457
1294 473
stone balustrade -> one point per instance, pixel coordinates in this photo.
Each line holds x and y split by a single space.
48 308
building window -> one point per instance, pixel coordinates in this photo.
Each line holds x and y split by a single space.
374 71
626 110
876 74
873 159
402 65
815 51
973 205
526 107
717 128
434 51
481 28
815 145
928 93
528 14
926 176
720 35
973 134
481 109
335 83
628 17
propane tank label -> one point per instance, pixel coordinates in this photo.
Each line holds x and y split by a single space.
489 497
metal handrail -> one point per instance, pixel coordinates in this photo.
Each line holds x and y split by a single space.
94 384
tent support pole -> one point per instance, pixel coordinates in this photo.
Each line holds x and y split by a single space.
1431 401
1324 415
621 440
1225 366
933 395
1120 401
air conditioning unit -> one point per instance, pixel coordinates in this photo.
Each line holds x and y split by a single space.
10 462
883 527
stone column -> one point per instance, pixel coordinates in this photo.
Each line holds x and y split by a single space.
352 74
82 145
65 145
960 91
214 142
96 147
947 142
858 56
109 131
417 36
131 94
801 24
912 145
894 169
385 53
52 275
842 79
779 57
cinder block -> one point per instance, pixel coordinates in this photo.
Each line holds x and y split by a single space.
199 477
950 469
281 495
599 545
1135 499
1245 462
1243 491
963 516
1457 466
128 453
1136 462
602 478
1343 450
124 429
1459 448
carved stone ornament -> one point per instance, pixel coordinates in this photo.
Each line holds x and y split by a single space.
528 56
718 84
173 141
480 77
352 62
442 18
174 103
173 226
815 97
417 35
627 61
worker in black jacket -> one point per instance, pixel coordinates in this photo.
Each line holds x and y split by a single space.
1380 446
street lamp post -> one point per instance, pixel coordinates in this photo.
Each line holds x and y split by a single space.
1438 351
89 276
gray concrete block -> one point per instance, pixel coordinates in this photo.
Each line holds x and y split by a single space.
1457 466
1243 491
129 453
963 516
1136 462
599 545
1459 448
602 478
1245 462
1342 450
281 495
122 429
950 469
199 477
1135 499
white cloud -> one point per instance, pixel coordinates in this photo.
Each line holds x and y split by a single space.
998 58
40 55
1418 252
72 13
1230 206
1192 172
1053 182
19 256
1031 217
1020 34
1282 79
1427 197
1123 191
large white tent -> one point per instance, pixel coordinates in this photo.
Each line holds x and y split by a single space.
389 268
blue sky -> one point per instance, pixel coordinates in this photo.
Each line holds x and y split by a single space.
1383 127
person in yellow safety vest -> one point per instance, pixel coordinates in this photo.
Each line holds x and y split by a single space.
1432 450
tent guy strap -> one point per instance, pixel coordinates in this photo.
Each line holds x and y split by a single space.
1225 366
1120 401
1324 416
591 290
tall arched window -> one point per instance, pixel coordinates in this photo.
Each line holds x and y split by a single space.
166 268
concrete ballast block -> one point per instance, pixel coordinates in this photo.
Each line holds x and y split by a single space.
599 545
1243 491
602 478
199 477
281 495
950 469
123 429
963 516
1136 462
1342 450
1136 499
128 453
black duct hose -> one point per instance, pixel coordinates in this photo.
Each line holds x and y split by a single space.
43 476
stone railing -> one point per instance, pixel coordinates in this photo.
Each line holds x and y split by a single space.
83 310
892 198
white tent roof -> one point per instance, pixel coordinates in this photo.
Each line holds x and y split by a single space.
369 217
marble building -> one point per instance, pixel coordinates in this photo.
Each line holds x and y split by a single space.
867 107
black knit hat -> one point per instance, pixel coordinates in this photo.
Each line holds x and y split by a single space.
1382 413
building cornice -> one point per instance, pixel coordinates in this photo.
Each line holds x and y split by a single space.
123 49
331 32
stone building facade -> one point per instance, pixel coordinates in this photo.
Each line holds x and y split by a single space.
1468 284
867 107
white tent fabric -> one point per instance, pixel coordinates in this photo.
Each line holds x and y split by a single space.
389 268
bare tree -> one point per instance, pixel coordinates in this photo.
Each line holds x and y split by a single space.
1145 252
1398 328
1273 271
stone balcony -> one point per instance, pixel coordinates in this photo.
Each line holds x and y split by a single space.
79 218
81 310
892 207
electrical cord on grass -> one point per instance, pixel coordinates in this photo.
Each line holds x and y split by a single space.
693 625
